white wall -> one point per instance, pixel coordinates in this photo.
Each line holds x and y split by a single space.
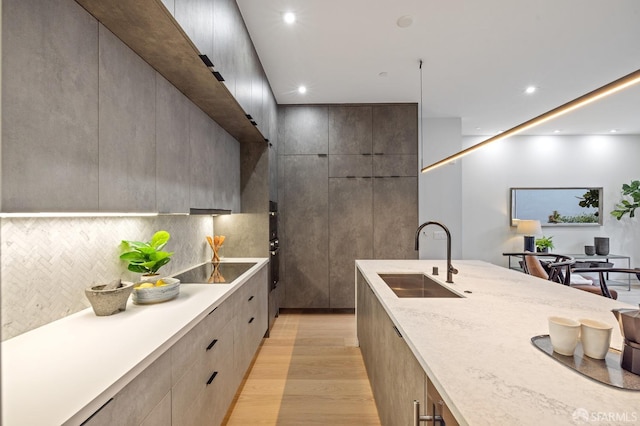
546 161
439 194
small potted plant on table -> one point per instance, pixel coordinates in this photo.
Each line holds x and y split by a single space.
544 244
147 258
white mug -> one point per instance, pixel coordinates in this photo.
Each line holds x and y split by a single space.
564 334
596 338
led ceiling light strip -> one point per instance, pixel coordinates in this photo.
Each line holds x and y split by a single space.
606 90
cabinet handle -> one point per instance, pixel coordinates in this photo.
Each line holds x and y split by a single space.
250 299
96 412
213 376
397 331
351 177
366 153
322 155
417 418
251 320
213 342
212 311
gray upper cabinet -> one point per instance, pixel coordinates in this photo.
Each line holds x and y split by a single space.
306 130
201 142
227 25
196 19
395 165
126 98
395 129
172 148
350 130
226 171
244 80
49 107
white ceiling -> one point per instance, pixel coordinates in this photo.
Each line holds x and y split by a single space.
479 55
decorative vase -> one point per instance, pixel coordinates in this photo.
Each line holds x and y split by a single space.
589 250
602 245
108 302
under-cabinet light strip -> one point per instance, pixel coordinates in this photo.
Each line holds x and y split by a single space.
75 214
606 90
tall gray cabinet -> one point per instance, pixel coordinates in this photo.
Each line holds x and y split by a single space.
348 191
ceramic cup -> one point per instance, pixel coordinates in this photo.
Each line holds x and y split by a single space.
564 334
596 338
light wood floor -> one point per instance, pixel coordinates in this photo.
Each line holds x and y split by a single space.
309 371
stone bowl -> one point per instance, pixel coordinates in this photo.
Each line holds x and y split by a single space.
151 295
108 302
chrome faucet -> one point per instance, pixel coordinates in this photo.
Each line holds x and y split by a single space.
450 269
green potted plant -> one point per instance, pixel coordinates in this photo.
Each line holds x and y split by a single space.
544 244
628 206
146 257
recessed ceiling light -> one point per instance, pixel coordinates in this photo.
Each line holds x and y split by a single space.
404 21
613 130
302 90
529 90
383 74
556 131
289 17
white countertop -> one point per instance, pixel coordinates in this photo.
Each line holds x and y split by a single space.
478 352
66 370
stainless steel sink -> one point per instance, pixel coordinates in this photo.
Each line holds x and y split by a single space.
416 285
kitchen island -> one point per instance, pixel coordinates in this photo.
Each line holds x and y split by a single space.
140 362
476 350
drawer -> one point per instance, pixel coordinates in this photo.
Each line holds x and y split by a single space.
194 393
395 165
350 165
187 350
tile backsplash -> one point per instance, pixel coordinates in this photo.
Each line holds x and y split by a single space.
46 263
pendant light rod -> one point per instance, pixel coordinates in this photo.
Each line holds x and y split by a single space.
606 90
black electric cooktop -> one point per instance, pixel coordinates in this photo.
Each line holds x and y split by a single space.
221 273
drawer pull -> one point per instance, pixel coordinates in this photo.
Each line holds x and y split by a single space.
213 376
250 299
397 331
214 309
96 412
212 344
251 320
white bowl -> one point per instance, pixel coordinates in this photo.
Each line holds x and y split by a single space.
147 296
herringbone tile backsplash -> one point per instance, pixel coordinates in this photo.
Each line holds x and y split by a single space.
46 263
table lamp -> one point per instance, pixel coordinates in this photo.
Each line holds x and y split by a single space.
529 228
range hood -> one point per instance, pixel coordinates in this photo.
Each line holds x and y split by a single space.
208 212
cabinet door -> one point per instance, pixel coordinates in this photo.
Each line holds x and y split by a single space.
226 26
172 148
251 320
244 62
226 171
350 165
202 152
127 98
395 165
350 235
437 407
395 129
395 217
196 19
396 377
49 77
306 130
139 399
161 414
350 130
305 241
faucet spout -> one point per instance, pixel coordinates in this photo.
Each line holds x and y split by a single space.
450 269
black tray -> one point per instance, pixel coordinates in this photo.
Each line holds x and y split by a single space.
607 371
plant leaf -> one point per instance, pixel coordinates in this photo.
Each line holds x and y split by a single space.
131 256
159 239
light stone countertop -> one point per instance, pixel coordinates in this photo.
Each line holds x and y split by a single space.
478 352
64 371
